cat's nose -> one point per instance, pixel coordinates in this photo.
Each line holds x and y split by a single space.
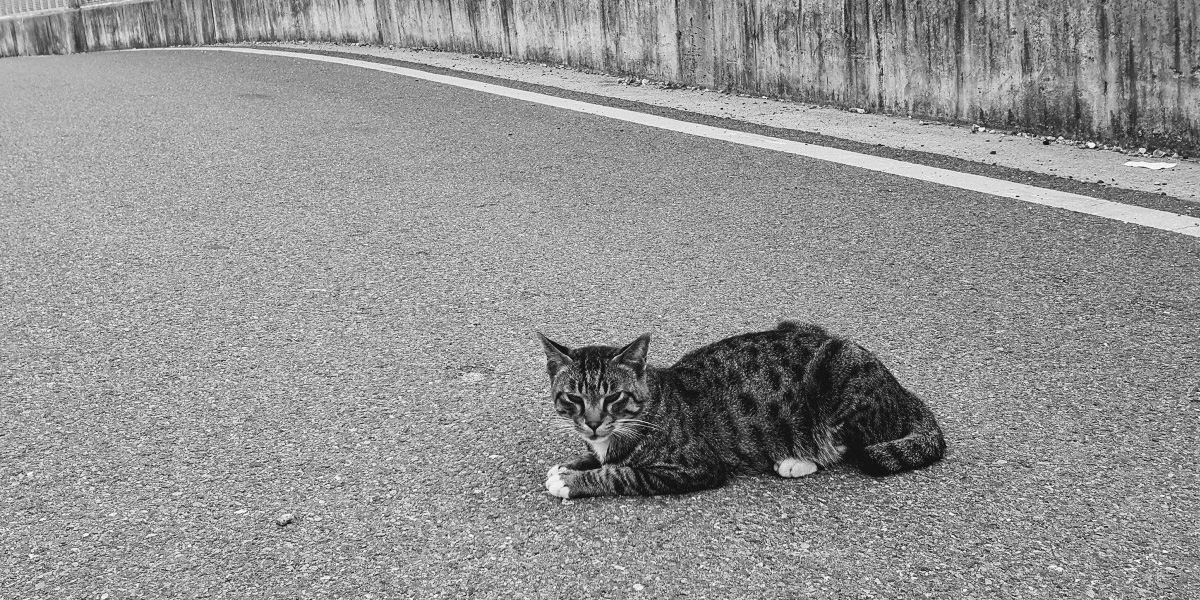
595 425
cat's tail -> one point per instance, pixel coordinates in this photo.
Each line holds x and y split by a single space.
923 446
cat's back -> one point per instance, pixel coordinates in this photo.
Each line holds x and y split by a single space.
772 353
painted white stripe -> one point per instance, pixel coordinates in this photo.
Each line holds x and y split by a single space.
1146 217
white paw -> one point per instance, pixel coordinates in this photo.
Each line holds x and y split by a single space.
795 467
555 484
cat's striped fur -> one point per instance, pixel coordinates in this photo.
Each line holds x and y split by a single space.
785 400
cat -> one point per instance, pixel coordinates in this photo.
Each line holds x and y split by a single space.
790 400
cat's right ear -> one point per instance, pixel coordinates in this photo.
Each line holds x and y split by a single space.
557 355
634 355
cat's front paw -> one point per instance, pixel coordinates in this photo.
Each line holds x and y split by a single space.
795 467
556 482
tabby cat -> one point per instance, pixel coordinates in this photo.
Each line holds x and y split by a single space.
790 400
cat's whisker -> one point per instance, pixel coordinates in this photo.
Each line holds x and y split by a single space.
640 423
623 433
564 425
633 420
628 431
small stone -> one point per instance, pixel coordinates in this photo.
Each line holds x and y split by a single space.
1091 145
637 587
285 519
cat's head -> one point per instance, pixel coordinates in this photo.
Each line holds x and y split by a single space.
601 390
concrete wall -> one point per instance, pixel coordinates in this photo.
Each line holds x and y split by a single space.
157 23
42 33
1124 70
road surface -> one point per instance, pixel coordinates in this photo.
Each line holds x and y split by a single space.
234 287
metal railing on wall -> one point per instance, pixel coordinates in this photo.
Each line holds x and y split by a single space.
17 7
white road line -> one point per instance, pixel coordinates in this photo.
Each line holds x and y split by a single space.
1146 217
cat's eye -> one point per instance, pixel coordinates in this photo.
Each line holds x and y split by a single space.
615 403
570 399
611 398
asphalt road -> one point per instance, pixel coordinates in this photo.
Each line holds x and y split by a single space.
233 287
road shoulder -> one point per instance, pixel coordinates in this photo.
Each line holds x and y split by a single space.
1060 165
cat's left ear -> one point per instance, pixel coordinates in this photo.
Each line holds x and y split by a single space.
557 355
634 355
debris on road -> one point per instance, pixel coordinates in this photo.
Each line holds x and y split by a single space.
1149 165
285 519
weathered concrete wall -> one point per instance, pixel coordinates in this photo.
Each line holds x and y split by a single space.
129 25
637 36
42 33
1125 70
157 23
